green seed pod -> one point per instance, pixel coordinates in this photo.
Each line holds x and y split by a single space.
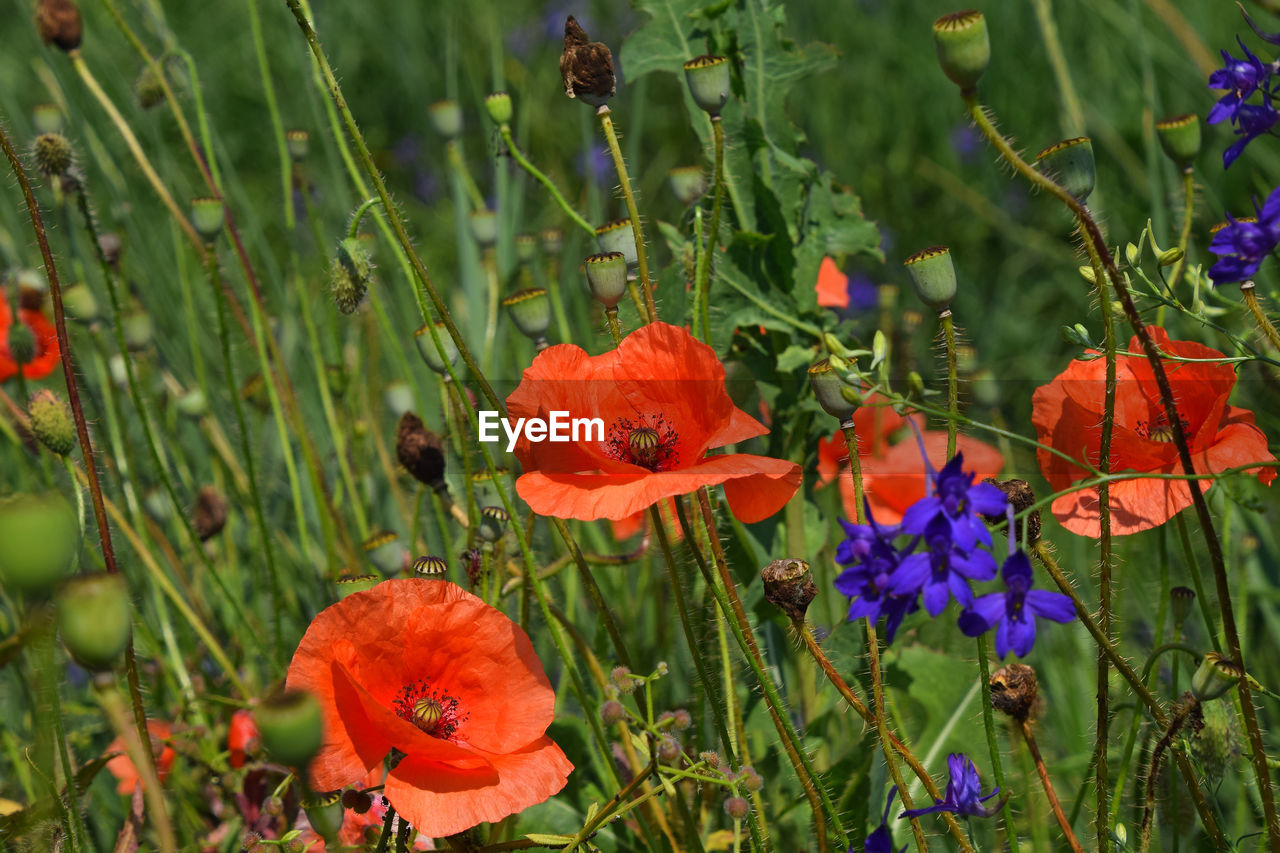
827 386
292 726
446 118
325 813
1215 677
350 584
934 276
617 236
499 107
193 404
1070 163
552 240
1181 598
79 303
1180 138
385 551
493 523
51 422
52 153
484 227
428 350
207 215
708 79
526 247
530 310
688 183
39 540
47 118
964 50
398 397
298 144
94 618
138 330
350 274
607 277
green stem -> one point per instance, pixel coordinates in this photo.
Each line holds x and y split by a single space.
953 396
646 285
524 163
273 110
1260 316
993 746
855 470
713 235
882 730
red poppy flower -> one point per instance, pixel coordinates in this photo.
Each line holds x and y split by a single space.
429 670
1067 414
662 402
242 737
47 353
833 286
126 772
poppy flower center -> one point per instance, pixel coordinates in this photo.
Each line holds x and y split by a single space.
649 442
431 710
1159 429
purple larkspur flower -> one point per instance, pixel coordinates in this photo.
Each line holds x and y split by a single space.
1244 245
960 501
1240 78
946 572
964 789
880 840
867 582
1013 612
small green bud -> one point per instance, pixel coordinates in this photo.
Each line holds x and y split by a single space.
617 236
964 50
708 79
397 396
39 539
47 118
446 118
351 584
499 106
827 386
1070 163
837 362
688 183
531 311
493 523
385 551
1215 677
193 404
298 144
94 618
324 813
1087 273
1131 254
484 227
526 248
292 726
138 330
552 240
430 567
148 89
207 215
22 344
916 383
1180 138
835 347
1181 598
350 274
1170 256
79 303
607 277
934 276
431 355
51 422
52 153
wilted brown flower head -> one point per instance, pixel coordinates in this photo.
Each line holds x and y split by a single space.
1020 494
1014 689
210 514
58 22
586 66
420 451
789 586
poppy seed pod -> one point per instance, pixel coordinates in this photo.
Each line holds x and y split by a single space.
298 144
350 274
52 153
94 618
1070 163
934 276
484 227
617 236
430 567
431 355
79 303
689 183
446 118
789 586
138 330
526 247
1180 138
58 22
607 277
530 310
829 388
207 215
1215 677
708 79
39 539
964 49
324 813
499 107
351 584
493 523
397 396
51 422
385 551
552 240
1014 689
292 726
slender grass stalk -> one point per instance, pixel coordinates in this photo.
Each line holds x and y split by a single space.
628 196
524 163
1184 234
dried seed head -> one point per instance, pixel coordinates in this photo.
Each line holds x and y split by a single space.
586 66
789 586
52 153
1014 689
58 22
420 451
1020 494
210 514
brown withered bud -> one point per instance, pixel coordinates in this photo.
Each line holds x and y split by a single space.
31 298
1021 496
110 246
58 22
789 586
586 66
1014 689
420 451
210 514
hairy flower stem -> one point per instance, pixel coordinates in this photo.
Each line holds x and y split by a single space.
139 751
703 286
953 395
537 174
1029 736
615 331
1184 711
882 730
993 746
855 469
1184 234
1094 235
1247 290
628 196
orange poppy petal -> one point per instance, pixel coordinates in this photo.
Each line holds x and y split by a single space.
740 427
833 286
47 352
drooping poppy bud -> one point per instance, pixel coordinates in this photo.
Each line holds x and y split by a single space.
94 618
292 726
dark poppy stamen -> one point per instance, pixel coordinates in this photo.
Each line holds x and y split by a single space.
433 711
649 442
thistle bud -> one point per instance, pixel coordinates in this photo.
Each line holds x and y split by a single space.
530 310
446 118
210 514
750 779
708 79
617 236
484 227
207 215
1180 601
52 154
1014 689
324 813
94 618
829 388
552 240
350 274
688 183
351 584
298 144
607 277
58 22
789 586
431 355
737 808
1215 677
51 422
292 726
669 751
47 118
79 303
420 451
430 567
493 523
385 551
39 538
1180 138
964 50
934 276
1070 164
498 106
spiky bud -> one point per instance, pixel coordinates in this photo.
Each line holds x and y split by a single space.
39 539
934 276
51 421
789 586
611 712
292 726
350 274
1070 164
94 618
737 808
498 105
1180 138
964 49
52 154
708 79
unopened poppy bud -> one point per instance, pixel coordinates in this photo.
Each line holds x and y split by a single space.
484 227
1014 689
446 118
789 586
420 451
552 240
530 310
526 248
1170 256
737 808
498 106
827 386
52 154
611 712
384 550
617 236
934 276
1180 600
207 215
292 726
210 514
964 50
79 303
358 801
351 584
58 22
298 144
1180 138
148 89
39 538
138 330
350 273
669 751
1215 677
193 404
51 422
94 618
607 277
688 183
430 354
430 567
708 79
47 118
324 813
1070 164
493 523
